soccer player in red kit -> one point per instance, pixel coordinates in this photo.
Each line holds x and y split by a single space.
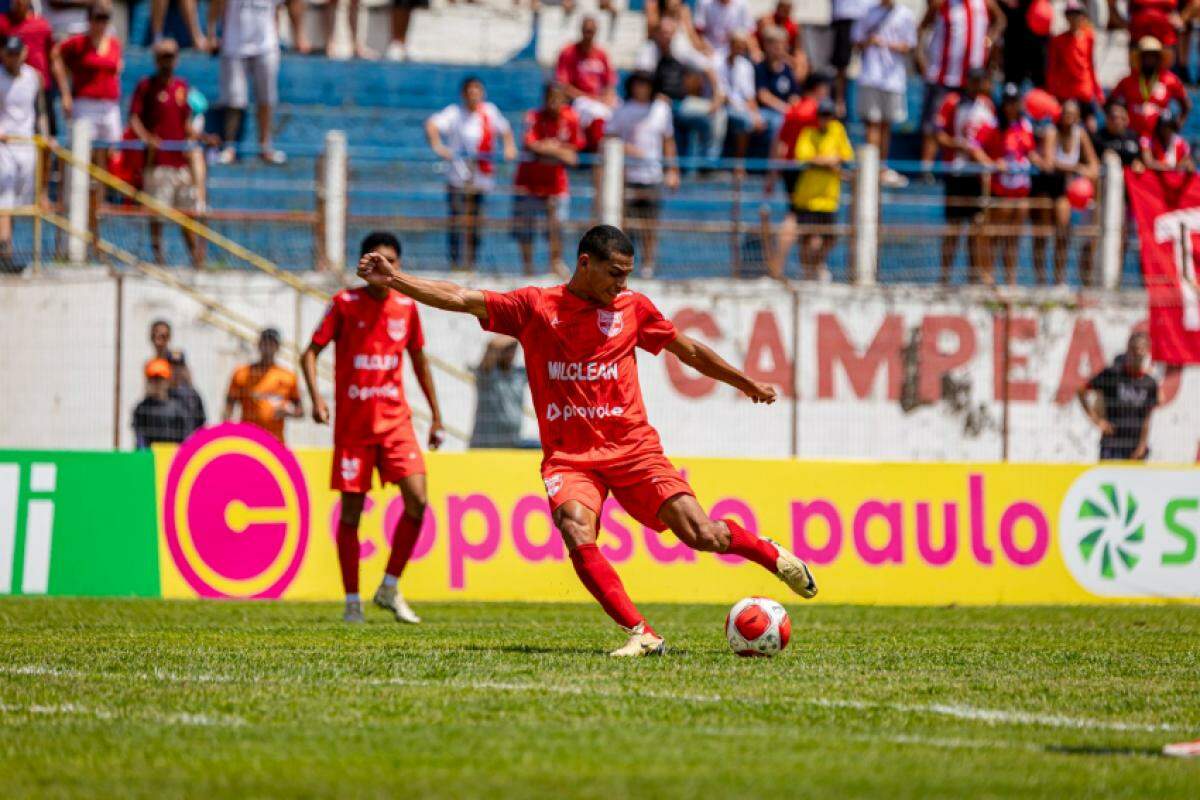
579 341
373 328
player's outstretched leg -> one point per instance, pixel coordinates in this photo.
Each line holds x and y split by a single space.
404 539
347 550
683 515
578 526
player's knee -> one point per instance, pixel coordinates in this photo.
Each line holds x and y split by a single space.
351 512
575 529
414 507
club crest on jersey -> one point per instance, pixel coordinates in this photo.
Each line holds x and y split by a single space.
553 484
397 327
611 322
350 468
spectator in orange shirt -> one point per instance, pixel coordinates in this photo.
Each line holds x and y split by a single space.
267 393
1071 65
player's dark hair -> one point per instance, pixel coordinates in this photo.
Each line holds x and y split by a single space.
635 77
467 81
160 321
602 241
376 239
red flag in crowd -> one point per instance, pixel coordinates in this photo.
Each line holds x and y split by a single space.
1166 206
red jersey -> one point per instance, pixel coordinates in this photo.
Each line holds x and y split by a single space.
582 369
972 120
800 115
1170 155
163 108
1071 67
95 72
371 337
38 37
591 74
1153 18
1012 146
547 178
1146 101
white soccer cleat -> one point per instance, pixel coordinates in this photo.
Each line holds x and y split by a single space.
390 599
794 572
353 613
641 643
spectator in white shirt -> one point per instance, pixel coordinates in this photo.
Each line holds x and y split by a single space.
885 35
249 48
67 17
843 15
465 135
21 116
718 21
644 124
736 73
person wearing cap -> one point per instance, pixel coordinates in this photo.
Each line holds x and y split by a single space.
1158 19
963 123
159 417
266 393
160 116
1071 64
823 151
22 114
643 122
884 36
1151 88
38 35
180 388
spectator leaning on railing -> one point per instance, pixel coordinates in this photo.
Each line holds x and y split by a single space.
551 142
22 114
823 150
469 136
643 122
1165 150
249 53
266 394
801 114
160 116
885 35
962 124
1068 155
1011 151
1129 394
956 37
1116 136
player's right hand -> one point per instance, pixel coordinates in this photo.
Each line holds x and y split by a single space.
375 269
1105 427
320 412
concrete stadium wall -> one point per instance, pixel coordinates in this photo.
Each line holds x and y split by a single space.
881 373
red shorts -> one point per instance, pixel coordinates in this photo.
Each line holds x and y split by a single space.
640 485
1154 23
354 464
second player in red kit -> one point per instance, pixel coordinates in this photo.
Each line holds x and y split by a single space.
372 328
579 341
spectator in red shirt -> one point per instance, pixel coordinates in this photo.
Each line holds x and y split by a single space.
1165 150
781 17
1150 88
87 69
160 115
590 82
1011 149
34 30
1157 18
551 142
1071 64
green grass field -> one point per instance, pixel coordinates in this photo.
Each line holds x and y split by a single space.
163 699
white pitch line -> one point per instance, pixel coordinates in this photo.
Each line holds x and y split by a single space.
76 710
989 716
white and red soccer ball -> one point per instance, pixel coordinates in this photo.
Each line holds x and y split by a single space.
757 626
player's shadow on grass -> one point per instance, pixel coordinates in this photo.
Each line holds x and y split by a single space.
1085 750
529 649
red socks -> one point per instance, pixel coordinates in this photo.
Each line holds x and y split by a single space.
599 578
750 547
347 549
403 542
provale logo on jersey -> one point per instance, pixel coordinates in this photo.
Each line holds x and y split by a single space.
1132 532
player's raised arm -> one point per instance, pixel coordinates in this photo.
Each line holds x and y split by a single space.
375 270
701 358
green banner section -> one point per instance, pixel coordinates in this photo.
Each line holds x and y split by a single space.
78 524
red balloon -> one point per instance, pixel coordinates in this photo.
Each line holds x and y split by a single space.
1039 17
1042 106
1080 193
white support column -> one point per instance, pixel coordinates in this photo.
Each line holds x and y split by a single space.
79 185
335 199
612 181
1112 223
866 216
